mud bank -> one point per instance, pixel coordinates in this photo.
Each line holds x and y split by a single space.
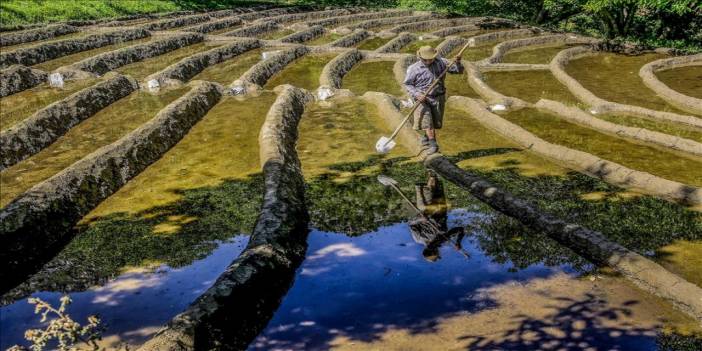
215 25
36 34
108 61
499 51
239 304
192 65
679 100
45 52
258 75
334 72
41 219
390 21
45 126
397 43
423 26
359 17
314 15
352 39
17 78
304 35
177 22
253 29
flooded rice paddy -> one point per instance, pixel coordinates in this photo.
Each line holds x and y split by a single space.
616 78
303 72
324 39
372 76
17 107
372 43
103 128
657 161
230 70
685 80
374 277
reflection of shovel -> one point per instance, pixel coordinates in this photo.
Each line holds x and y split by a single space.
387 181
385 144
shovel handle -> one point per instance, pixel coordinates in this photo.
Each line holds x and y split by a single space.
424 95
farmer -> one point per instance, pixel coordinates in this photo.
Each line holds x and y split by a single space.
432 202
429 116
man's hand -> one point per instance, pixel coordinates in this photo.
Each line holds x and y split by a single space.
421 98
458 59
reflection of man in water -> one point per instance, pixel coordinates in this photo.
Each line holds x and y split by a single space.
432 202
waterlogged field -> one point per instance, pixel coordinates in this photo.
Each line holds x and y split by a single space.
373 277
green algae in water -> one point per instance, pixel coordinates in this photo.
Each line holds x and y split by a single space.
683 257
685 80
207 187
303 72
462 135
71 59
17 107
222 146
534 55
645 158
324 39
372 76
230 70
340 130
670 128
457 84
529 86
142 69
476 53
616 78
276 34
372 43
105 127
412 47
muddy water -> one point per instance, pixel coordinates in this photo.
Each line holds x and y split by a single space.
377 292
534 54
685 80
105 127
412 47
18 106
70 59
275 34
230 70
475 53
372 76
324 39
161 240
140 70
372 43
640 157
530 86
303 72
616 78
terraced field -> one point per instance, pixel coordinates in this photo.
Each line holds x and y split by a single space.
209 181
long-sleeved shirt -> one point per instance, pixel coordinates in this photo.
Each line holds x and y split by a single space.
420 76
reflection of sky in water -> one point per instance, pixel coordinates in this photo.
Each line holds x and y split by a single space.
362 286
134 305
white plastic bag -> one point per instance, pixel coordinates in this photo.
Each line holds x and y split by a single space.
324 93
266 54
153 85
56 80
498 107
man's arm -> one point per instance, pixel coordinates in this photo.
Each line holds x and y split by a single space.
455 68
408 83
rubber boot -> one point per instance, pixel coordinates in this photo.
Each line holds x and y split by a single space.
432 147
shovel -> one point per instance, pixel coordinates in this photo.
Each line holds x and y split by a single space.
385 144
387 181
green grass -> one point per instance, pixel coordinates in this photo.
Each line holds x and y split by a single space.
19 12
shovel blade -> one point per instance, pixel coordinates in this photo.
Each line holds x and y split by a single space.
384 145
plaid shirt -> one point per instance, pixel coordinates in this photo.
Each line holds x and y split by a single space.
420 76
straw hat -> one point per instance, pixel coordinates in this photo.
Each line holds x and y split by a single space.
427 53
